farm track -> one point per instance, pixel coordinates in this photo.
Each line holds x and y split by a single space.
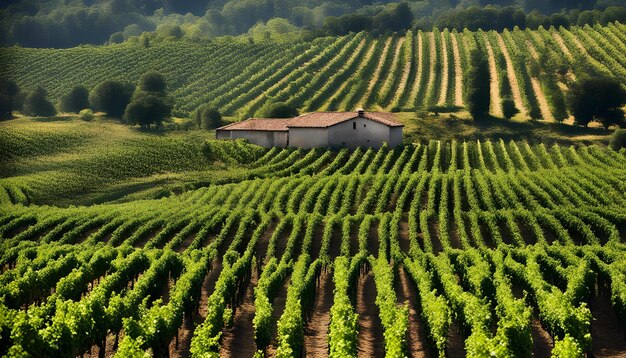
458 72
444 70
405 77
370 328
517 96
316 330
419 72
494 83
407 295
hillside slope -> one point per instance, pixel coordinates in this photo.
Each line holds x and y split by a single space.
419 72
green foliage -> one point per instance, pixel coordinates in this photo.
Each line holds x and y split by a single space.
37 104
208 117
146 108
279 110
76 100
86 114
111 97
598 98
478 94
618 139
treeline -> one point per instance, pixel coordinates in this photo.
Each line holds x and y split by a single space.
146 103
500 18
65 23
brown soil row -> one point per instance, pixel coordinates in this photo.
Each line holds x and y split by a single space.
405 77
517 96
458 72
444 72
496 108
376 75
420 70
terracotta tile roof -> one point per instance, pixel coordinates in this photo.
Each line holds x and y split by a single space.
328 119
309 120
259 124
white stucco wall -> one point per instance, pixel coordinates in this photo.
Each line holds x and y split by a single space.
358 132
262 138
395 136
308 137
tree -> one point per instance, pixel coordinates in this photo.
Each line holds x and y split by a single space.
8 93
598 98
152 82
478 93
148 108
76 100
508 108
37 104
111 97
208 117
281 110
150 103
618 140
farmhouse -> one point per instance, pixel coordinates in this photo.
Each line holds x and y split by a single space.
319 129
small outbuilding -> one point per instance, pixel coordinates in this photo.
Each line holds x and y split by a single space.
319 129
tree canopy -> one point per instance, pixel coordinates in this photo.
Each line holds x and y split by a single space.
597 98
37 104
76 100
112 97
478 91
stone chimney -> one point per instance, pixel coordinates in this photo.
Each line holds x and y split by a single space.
360 112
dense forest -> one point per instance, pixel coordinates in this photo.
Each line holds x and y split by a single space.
67 23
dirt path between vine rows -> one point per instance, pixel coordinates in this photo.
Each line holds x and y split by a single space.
420 70
431 73
316 331
416 337
559 41
608 338
345 83
444 71
377 71
371 339
494 83
405 76
394 65
458 72
517 96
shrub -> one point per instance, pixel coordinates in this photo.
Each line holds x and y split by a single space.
208 117
77 99
508 108
111 97
37 104
618 140
86 114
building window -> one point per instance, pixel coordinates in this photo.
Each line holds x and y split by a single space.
364 125
353 125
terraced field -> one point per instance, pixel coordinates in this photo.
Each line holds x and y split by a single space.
431 249
422 70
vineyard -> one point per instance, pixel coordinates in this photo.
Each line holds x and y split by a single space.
444 248
417 71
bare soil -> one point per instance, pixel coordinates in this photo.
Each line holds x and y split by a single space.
403 236
278 307
455 345
458 72
373 243
433 227
238 339
517 96
419 74
542 342
406 294
608 336
371 339
186 242
496 108
316 330
444 71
